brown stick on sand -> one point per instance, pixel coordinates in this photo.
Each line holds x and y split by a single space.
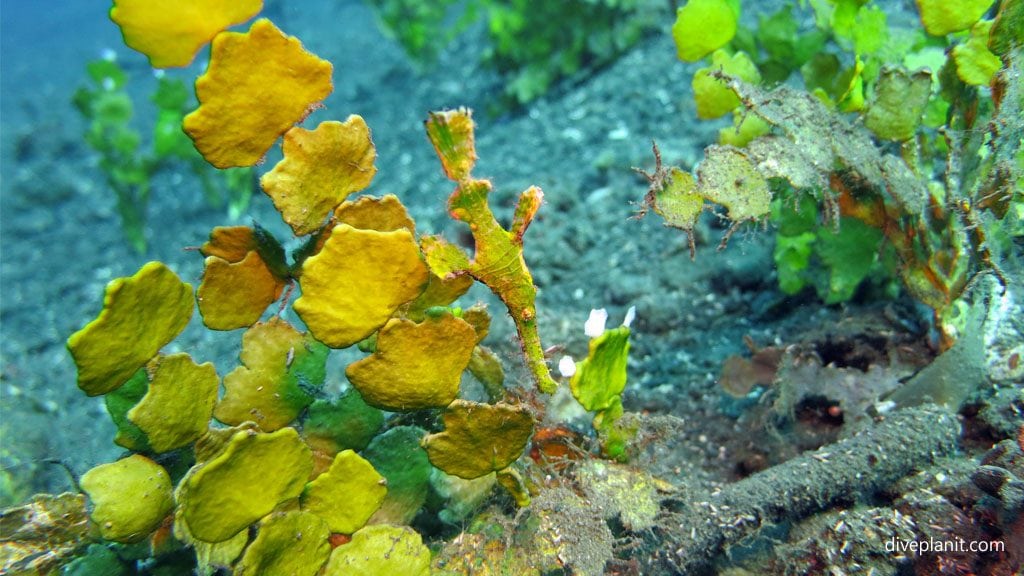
855 467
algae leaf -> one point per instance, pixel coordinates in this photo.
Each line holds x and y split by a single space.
244 482
141 314
398 456
712 95
381 549
171 32
319 170
357 281
119 402
940 17
281 369
177 408
415 365
347 494
293 543
346 423
131 497
849 253
382 214
899 101
257 86
479 438
235 294
703 26
601 377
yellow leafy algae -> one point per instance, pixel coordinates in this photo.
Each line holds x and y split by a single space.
479 438
347 494
382 214
745 128
975 64
703 26
357 281
440 291
444 258
210 555
171 32
601 377
713 96
319 170
381 549
940 17
252 475
130 497
232 243
177 408
415 366
486 367
235 294
262 390
258 85
290 543
141 314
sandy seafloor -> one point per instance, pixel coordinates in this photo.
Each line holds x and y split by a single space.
61 242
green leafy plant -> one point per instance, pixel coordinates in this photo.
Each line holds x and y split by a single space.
851 253
532 44
598 381
927 188
423 29
129 168
536 44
